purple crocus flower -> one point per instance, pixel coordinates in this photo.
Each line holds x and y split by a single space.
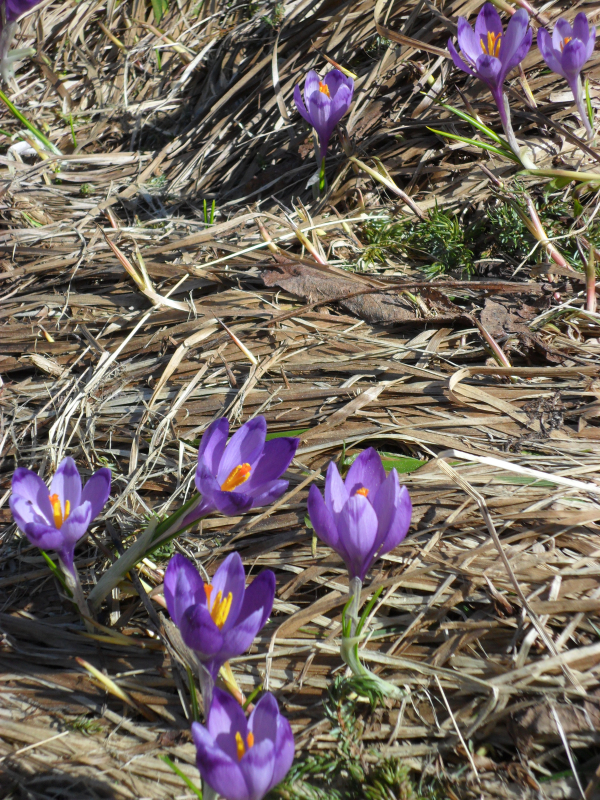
218 620
239 758
244 473
325 103
566 52
363 517
489 53
56 518
16 8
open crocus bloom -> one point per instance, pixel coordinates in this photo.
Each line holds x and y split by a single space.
56 518
566 52
242 473
365 516
489 53
239 758
218 620
325 103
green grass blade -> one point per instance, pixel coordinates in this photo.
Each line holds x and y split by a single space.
24 121
475 143
476 124
183 777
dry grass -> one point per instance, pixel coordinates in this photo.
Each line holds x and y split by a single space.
498 651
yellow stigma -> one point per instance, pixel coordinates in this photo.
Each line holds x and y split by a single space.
324 88
565 41
362 491
493 44
236 477
239 743
57 509
220 608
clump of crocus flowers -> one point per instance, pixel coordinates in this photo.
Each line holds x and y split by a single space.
239 757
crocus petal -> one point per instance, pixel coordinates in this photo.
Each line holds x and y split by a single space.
212 444
257 605
333 80
339 105
393 507
284 750
589 45
66 483
257 766
562 31
488 21
336 494
518 54
489 70
549 55
76 524
516 41
311 83
31 487
183 587
225 719
458 61
199 632
269 492
97 491
244 447
319 106
366 472
300 104
573 59
358 530
221 773
468 41
322 519
25 512
232 503
46 537
276 457
581 27
263 720
230 578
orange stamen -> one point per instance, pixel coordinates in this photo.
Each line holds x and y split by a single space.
324 88
221 607
493 44
239 743
236 477
57 512
565 41
208 591
362 491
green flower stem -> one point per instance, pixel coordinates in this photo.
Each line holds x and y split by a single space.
154 536
322 177
24 121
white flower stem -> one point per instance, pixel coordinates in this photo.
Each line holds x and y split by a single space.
354 591
74 586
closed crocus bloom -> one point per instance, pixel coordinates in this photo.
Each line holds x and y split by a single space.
325 103
239 758
365 516
218 620
566 52
242 473
56 518
489 53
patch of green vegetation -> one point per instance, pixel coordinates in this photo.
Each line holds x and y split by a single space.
442 240
447 243
84 725
343 773
276 16
164 551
